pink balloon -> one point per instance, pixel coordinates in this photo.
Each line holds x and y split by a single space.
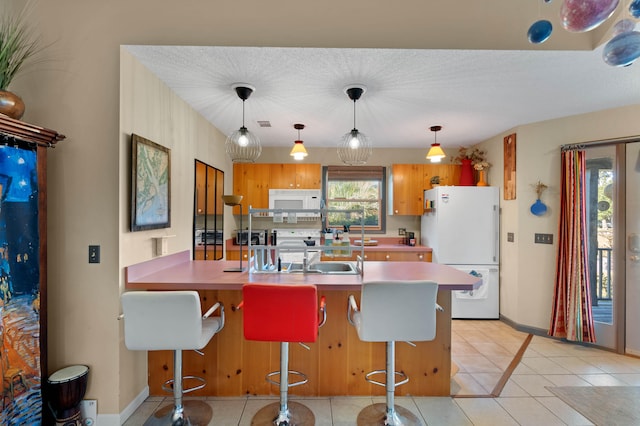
584 15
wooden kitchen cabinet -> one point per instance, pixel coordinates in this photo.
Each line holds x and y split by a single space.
411 180
208 253
296 176
235 254
408 187
409 255
449 174
252 181
398 256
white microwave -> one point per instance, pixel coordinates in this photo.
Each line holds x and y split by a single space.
295 199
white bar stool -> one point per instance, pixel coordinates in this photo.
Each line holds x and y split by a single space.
393 311
171 320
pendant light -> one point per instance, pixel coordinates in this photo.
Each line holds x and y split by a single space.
242 145
298 152
435 154
354 148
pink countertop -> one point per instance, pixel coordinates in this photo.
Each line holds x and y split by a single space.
178 272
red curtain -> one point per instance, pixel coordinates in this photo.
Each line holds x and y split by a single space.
571 316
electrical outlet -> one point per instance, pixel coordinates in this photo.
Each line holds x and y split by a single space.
89 411
94 254
402 231
543 239
510 237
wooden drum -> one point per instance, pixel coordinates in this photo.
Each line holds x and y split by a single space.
66 390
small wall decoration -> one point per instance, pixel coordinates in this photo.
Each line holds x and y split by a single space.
539 208
510 167
150 185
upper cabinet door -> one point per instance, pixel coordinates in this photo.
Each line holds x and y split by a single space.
408 189
296 176
252 181
308 176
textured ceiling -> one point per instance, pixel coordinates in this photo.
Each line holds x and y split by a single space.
473 94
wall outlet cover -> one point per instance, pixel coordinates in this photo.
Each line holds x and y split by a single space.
402 231
89 411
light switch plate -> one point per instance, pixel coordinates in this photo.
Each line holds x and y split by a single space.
94 254
543 239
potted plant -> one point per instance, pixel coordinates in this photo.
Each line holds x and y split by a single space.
435 181
18 43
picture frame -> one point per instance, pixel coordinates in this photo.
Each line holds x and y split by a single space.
150 185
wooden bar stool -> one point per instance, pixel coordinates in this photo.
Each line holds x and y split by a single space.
393 311
171 320
282 313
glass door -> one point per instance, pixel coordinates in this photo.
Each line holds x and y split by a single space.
601 214
632 249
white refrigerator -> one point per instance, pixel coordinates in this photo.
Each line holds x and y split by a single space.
461 224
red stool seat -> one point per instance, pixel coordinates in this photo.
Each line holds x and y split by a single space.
280 313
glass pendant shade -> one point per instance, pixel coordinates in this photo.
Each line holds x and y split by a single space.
354 148
242 146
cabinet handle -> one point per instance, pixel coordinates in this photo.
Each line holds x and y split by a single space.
395 211
421 256
244 256
388 257
366 257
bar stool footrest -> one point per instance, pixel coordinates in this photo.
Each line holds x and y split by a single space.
292 372
168 385
375 382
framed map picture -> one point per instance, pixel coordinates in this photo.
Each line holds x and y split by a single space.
150 185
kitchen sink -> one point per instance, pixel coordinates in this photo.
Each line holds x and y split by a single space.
333 268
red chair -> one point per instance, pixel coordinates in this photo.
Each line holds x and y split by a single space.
282 313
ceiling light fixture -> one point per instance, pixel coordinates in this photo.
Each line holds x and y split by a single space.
242 145
435 154
354 148
298 152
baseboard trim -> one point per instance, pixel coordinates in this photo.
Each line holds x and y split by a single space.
119 419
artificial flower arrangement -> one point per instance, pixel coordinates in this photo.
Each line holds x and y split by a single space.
477 157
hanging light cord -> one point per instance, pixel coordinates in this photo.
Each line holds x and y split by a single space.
243 113
354 115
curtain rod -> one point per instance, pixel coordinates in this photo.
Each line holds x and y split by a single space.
601 142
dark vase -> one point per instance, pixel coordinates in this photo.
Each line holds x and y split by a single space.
466 173
11 104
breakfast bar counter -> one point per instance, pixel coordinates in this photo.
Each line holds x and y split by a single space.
335 364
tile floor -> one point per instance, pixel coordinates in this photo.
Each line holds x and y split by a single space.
482 350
